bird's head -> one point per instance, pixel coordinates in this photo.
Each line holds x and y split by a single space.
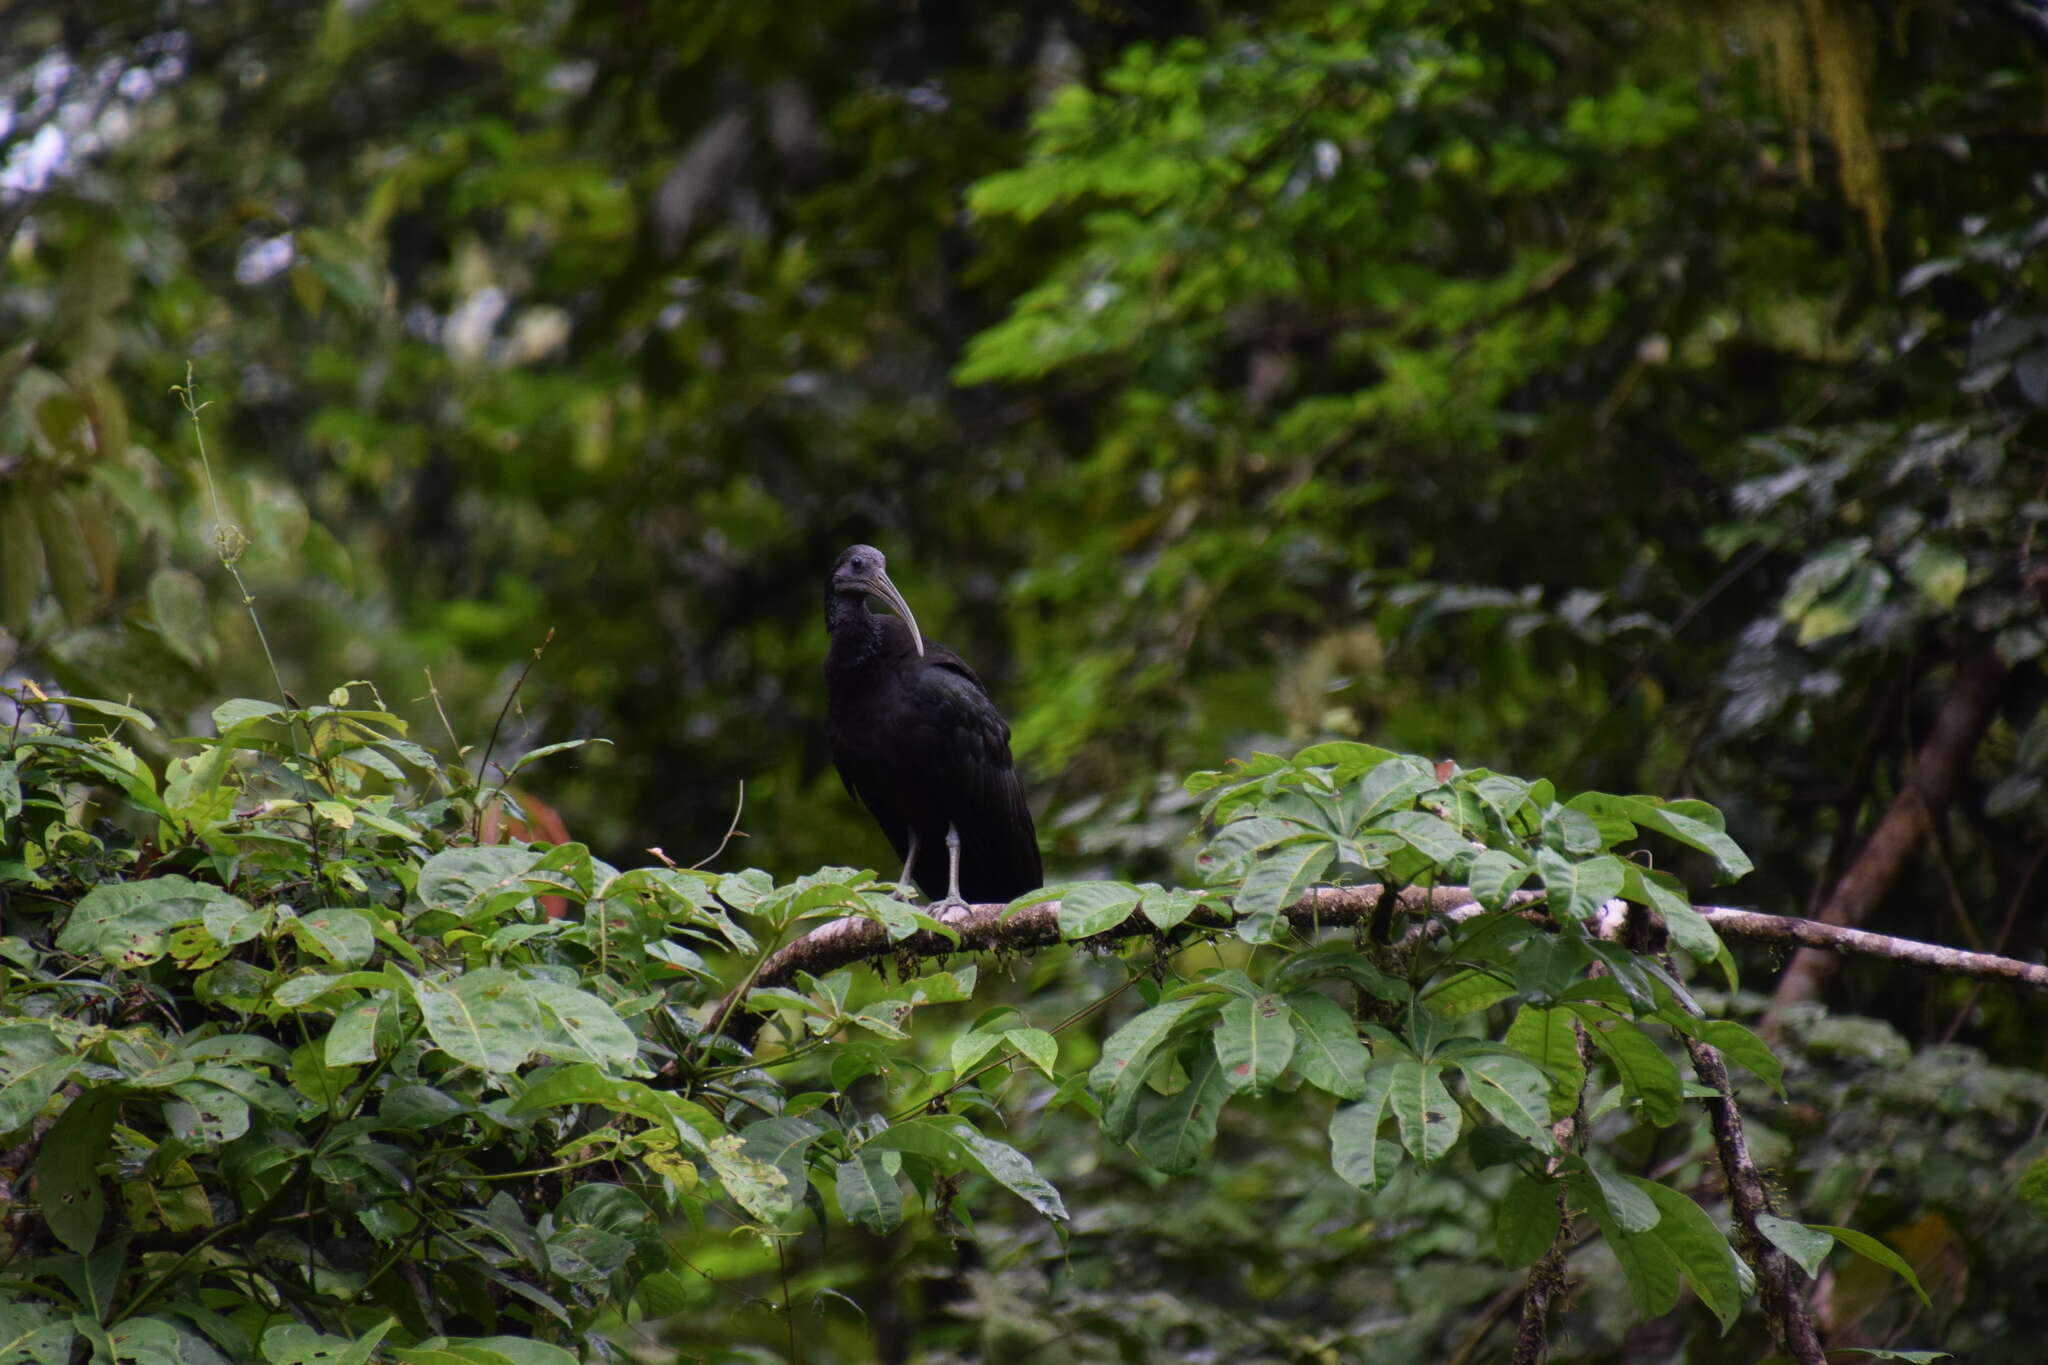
862 572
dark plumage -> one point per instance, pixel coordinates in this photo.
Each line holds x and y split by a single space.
918 742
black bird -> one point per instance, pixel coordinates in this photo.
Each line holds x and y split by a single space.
918 742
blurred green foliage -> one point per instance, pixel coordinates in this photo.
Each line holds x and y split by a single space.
1644 397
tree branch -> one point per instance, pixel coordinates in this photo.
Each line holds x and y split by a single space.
984 928
1778 1279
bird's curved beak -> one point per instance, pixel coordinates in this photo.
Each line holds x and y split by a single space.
881 587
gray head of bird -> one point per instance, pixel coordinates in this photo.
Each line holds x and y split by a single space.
861 571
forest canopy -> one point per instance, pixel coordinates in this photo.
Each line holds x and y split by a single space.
1612 433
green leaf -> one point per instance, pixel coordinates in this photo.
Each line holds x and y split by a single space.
1436 839
1870 1249
67 1182
1820 574
1036 1046
1547 1037
969 1048
34 1334
1512 1090
1807 1246
1428 1118
488 1019
1646 1074
1354 1132
1548 965
1648 1266
1738 1044
580 1027
1632 1210
2032 1186
33 1064
1681 820
1276 881
205 1115
462 880
114 709
1254 1042
229 922
1012 1170
755 1185
160 1341
534 755
1129 1052
868 1194
783 1142
1177 1136
1846 608
177 604
1526 1220
1327 1051
1937 571
1494 876
353 1039
1095 907
1700 1250
230 714
1168 907
1666 895
1570 831
343 936
296 1344
1467 992
484 1351
126 922
1577 890
937 1138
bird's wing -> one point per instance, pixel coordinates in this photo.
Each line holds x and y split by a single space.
873 794
980 776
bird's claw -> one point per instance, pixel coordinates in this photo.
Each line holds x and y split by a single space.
951 910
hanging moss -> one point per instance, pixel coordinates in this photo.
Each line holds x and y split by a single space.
1817 56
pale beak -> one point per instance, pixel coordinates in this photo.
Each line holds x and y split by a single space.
884 589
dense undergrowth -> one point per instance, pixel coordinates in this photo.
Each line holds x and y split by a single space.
295 1068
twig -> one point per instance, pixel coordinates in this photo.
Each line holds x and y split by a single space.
434 693
788 1311
483 763
228 541
738 806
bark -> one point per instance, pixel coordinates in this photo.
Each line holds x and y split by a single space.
1780 1283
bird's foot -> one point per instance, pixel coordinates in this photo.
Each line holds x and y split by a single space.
951 910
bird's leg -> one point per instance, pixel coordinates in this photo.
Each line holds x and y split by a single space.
952 907
908 859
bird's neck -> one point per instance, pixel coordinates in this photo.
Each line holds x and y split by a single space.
856 632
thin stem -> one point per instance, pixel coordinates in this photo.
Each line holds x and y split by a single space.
788 1312
228 541
483 764
729 829
434 692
